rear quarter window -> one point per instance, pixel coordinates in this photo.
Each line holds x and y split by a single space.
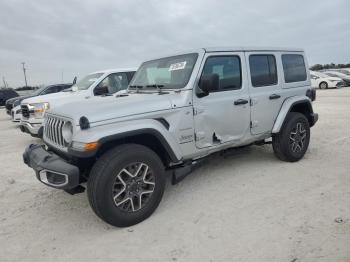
294 68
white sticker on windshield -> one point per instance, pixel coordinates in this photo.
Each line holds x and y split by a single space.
177 66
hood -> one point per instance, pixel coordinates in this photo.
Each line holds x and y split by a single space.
57 98
20 98
103 108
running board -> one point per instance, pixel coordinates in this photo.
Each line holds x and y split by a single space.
181 172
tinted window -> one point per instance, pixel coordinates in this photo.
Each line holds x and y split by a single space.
228 68
294 68
115 82
263 70
50 90
65 87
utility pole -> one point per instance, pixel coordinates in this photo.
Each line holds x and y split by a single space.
24 72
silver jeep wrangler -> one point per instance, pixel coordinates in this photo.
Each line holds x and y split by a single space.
177 110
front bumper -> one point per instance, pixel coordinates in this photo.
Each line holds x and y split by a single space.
35 129
51 169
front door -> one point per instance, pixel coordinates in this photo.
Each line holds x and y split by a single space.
265 90
224 115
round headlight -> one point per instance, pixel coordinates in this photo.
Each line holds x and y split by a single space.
67 132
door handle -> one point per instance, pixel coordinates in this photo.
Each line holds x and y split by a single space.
240 102
274 96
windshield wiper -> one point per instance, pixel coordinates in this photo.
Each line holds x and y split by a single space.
155 86
158 87
136 86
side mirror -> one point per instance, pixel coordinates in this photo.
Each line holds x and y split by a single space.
101 90
207 84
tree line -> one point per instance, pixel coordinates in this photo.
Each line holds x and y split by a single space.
25 88
329 66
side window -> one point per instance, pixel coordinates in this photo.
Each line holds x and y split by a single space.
228 68
115 82
263 70
294 68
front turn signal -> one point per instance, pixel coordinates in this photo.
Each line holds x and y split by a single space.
90 146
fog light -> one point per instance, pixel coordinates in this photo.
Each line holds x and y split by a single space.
53 178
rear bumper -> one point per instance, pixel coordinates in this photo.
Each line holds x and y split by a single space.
51 169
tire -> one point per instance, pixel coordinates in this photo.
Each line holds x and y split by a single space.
120 178
291 143
323 85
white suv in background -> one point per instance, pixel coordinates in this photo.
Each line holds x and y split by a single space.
334 73
323 81
101 83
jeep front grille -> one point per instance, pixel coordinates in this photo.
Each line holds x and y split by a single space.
53 131
25 111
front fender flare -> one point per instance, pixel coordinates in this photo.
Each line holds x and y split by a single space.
105 133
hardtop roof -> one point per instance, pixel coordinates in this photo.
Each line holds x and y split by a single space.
252 48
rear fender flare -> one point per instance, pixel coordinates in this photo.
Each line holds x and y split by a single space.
286 108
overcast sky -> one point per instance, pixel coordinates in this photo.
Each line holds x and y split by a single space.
79 37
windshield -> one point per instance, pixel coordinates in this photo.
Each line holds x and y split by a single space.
38 91
331 74
87 81
344 72
169 72
319 74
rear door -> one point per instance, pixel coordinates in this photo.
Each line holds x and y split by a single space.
224 115
265 90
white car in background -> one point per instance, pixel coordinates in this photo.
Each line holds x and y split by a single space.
345 71
333 73
323 81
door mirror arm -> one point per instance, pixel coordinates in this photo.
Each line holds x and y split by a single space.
207 84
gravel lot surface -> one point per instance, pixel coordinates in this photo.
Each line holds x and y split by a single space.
246 206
